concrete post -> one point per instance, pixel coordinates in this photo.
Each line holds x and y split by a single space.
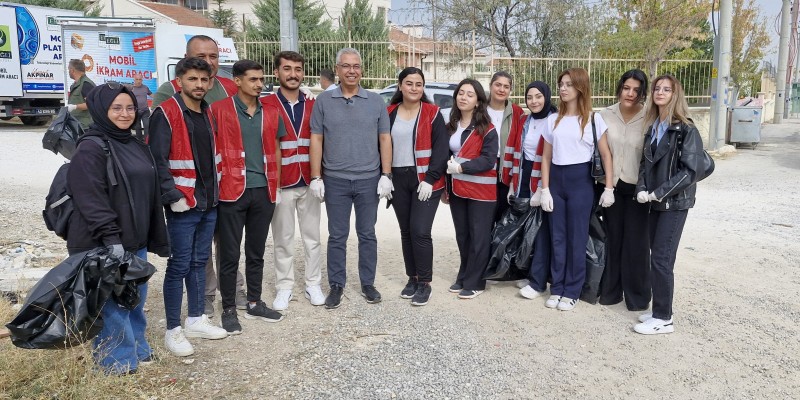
783 62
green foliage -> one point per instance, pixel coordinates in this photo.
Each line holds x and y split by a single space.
358 23
78 5
223 18
748 44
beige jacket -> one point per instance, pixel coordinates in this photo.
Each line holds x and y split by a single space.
626 141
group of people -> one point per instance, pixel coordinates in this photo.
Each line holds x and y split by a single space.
220 164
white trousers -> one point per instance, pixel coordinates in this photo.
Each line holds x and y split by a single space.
308 210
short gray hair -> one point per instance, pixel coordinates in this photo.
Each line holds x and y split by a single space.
77 65
346 50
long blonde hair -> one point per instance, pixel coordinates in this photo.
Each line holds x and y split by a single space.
580 81
678 108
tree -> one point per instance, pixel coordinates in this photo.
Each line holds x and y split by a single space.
224 18
371 35
79 5
749 41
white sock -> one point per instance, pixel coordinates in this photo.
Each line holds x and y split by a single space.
192 320
174 330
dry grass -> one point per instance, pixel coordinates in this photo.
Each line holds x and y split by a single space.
71 374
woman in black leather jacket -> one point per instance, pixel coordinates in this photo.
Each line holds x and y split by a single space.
670 167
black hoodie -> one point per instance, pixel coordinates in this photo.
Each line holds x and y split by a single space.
103 213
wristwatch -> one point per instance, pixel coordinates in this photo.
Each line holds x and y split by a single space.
388 175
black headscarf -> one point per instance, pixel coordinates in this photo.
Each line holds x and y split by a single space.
99 101
548 107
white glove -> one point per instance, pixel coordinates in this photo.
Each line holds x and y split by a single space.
317 189
607 198
509 196
179 206
116 250
536 199
652 197
547 200
642 197
71 107
453 167
385 187
307 92
278 197
425 190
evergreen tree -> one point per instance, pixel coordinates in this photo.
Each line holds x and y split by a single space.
370 36
224 18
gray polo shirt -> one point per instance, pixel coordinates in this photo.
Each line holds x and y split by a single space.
350 128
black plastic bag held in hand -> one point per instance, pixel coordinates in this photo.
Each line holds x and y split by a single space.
507 236
63 134
525 250
595 257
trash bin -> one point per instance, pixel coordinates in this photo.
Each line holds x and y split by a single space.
745 125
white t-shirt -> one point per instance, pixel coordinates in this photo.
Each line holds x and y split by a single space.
535 129
455 140
568 146
497 120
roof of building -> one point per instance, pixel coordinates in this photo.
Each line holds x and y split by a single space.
405 43
181 15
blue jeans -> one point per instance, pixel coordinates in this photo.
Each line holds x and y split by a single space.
341 195
190 235
122 342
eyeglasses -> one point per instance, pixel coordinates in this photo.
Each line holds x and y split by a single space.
665 89
120 109
564 85
113 85
354 67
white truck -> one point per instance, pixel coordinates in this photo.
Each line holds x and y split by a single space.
31 62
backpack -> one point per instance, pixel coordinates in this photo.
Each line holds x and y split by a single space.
58 207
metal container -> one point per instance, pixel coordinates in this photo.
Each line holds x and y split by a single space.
745 125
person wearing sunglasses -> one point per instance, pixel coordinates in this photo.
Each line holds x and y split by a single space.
104 215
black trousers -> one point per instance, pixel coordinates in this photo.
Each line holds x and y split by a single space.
416 221
253 213
502 202
473 221
628 251
666 228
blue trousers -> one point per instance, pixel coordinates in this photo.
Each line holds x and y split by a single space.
341 196
573 194
121 342
190 235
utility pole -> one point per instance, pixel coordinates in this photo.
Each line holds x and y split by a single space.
721 77
792 69
433 21
783 61
288 26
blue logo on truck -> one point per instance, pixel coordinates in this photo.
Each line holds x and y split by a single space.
28 34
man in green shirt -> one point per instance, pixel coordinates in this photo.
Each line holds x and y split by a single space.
82 85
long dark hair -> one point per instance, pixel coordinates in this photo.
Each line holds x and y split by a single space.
639 75
480 117
397 97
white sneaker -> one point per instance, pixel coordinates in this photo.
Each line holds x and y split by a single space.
645 317
529 293
552 302
282 299
203 329
314 295
177 344
522 283
492 282
567 304
654 326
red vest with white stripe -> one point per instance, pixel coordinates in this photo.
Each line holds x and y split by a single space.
481 186
181 157
229 143
422 141
512 161
228 85
517 119
294 145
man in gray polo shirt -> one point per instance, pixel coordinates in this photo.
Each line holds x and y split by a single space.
351 170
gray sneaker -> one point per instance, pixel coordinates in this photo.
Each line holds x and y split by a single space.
241 299
209 308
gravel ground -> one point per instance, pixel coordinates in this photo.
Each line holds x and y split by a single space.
735 309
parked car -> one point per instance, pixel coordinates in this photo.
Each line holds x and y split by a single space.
439 93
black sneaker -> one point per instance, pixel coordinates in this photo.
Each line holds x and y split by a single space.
455 288
371 294
410 289
230 322
334 299
262 312
469 294
422 295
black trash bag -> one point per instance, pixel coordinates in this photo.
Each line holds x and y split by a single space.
63 309
595 257
134 271
507 237
63 134
525 250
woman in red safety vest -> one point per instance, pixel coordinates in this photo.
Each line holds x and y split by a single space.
419 161
472 189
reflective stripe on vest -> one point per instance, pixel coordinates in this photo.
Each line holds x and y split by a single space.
423 142
294 145
481 186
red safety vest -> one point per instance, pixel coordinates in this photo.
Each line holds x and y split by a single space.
481 186
294 146
517 119
181 157
228 85
512 160
422 141
229 143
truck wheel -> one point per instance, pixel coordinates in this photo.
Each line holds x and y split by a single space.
34 121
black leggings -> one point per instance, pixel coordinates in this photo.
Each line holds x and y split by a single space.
416 220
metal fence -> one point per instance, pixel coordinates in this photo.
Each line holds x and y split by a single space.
452 61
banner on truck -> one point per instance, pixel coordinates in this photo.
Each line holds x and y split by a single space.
111 55
10 71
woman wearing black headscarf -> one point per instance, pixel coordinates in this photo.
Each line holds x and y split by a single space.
121 212
525 160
